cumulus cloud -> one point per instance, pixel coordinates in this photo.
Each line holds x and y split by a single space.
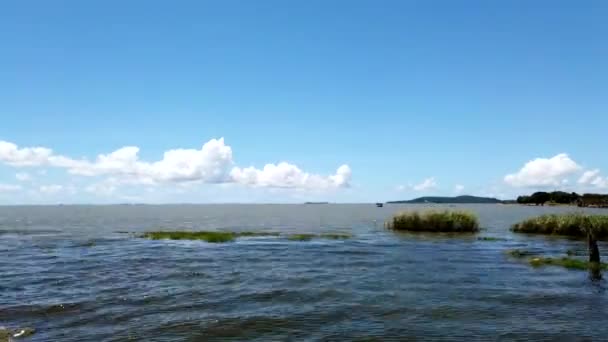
542 172
427 184
285 175
23 176
9 187
50 189
12 155
593 177
458 188
212 163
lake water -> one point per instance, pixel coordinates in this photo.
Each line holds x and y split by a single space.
70 273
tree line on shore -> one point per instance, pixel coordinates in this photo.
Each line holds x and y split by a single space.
561 197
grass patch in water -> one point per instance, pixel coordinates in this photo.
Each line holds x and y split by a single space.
570 224
447 221
300 237
335 236
566 262
257 234
519 253
214 237
490 238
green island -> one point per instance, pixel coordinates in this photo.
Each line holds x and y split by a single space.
449 200
221 236
565 198
445 221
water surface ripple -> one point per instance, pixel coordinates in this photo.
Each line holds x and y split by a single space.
72 273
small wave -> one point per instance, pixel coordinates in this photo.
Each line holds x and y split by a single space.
36 311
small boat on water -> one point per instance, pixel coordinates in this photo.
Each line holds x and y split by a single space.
379 205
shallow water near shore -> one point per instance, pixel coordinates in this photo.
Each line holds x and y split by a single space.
73 274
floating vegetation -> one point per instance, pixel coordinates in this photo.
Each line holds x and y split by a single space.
570 224
219 237
519 253
240 234
490 238
300 237
567 263
449 221
213 237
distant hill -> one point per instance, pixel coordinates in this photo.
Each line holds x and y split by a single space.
457 199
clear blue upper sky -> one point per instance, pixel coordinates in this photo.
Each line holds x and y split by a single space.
463 92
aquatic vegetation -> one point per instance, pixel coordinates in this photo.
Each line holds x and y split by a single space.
301 237
566 262
218 237
455 221
519 253
240 234
570 224
209 236
490 238
335 236
214 237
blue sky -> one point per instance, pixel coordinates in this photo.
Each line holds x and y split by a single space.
413 97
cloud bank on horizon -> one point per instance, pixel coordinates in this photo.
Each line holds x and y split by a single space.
212 164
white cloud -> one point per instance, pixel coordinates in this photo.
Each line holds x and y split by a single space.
543 172
50 189
589 176
12 155
458 188
285 175
427 184
212 163
593 177
23 176
9 187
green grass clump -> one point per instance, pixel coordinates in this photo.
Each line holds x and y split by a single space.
455 221
214 237
566 262
209 236
257 234
300 237
519 253
571 224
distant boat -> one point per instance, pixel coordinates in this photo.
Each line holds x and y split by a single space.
379 205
